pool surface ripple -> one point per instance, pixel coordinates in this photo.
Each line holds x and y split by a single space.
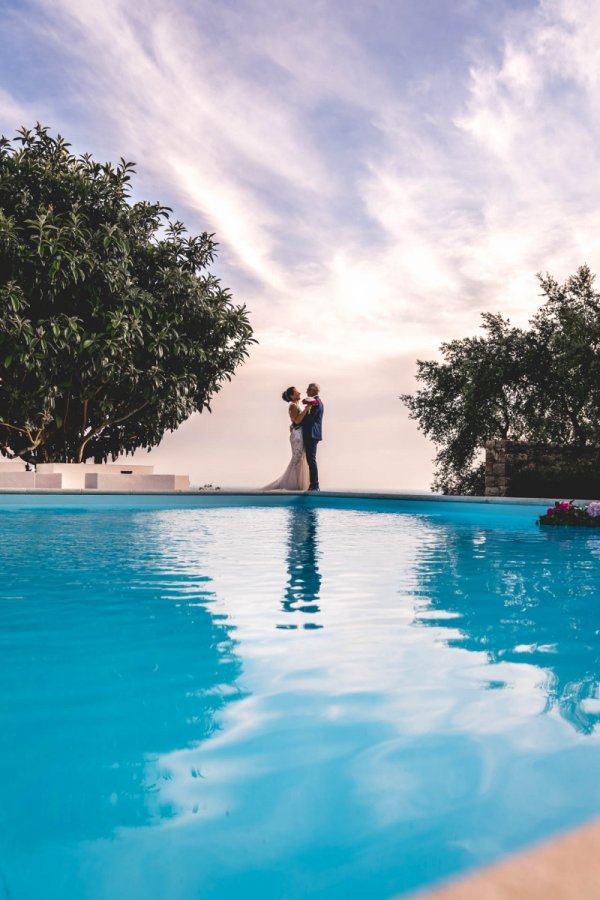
331 701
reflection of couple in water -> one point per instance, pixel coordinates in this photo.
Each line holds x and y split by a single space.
304 579
306 430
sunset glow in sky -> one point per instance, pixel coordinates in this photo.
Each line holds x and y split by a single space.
377 173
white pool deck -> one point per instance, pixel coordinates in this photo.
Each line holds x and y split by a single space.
563 868
278 496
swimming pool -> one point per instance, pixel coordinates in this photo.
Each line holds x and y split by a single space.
228 697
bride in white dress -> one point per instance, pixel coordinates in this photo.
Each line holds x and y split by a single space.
295 477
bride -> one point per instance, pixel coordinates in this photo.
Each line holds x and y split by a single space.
295 477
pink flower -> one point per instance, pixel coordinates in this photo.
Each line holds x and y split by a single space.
593 509
565 504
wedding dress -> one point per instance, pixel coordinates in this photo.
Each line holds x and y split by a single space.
295 477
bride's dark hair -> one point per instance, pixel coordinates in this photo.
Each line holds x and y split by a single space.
287 395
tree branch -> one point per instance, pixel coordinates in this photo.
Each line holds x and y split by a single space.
16 428
100 428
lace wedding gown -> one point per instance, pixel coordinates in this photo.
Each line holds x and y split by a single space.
295 477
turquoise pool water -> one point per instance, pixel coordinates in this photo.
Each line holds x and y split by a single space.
209 698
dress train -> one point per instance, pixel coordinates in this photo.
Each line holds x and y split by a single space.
296 476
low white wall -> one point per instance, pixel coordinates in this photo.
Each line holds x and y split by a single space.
12 465
49 480
29 481
17 480
84 476
119 482
74 474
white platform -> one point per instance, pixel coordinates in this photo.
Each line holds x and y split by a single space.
12 465
74 474
88 476
22 480
100 481
16 478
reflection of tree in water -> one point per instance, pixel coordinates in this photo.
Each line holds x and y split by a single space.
134 665
526 599
304 579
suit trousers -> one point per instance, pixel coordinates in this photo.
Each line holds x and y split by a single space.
310 445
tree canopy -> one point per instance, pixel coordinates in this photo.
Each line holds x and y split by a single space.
112 329
540 383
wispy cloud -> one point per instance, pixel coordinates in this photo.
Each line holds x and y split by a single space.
375 178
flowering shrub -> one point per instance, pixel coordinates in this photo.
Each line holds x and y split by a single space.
564 512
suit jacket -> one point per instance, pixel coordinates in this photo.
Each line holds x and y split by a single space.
312 423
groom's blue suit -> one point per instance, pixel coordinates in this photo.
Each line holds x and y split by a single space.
312 433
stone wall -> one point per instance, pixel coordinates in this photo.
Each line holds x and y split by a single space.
511 464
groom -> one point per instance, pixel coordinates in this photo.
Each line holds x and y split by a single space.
312 433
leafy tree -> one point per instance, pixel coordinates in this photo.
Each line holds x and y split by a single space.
538 384
565 369
112 330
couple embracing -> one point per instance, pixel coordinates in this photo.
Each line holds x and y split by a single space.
305 433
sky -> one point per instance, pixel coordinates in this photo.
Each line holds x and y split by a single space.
377 173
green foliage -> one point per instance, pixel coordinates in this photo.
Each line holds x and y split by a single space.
564 371
469 481
112 330
539 384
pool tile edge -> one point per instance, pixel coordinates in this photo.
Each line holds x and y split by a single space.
561 868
